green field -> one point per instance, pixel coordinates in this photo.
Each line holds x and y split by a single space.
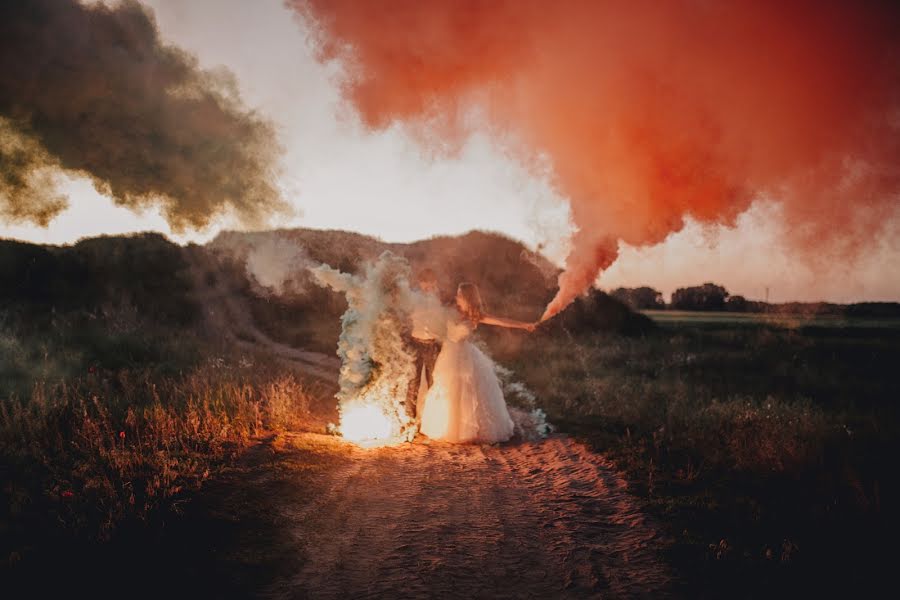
730 319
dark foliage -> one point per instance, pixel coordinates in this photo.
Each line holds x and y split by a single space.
145 271
112 302
767 450
708 296
640 298
598 311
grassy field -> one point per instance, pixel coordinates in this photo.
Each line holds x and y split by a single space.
764 443
717 318
687 318
767 449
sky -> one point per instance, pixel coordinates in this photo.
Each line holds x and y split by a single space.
338 174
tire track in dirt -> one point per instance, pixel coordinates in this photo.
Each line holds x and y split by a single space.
539 519
227 315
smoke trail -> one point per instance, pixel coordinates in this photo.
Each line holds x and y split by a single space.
651 112
92 89
276 263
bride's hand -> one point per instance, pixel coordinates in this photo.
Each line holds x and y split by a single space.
530 327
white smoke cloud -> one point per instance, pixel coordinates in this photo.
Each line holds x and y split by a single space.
278 264
274 263
529 420
376 365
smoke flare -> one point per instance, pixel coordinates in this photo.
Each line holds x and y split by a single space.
650 112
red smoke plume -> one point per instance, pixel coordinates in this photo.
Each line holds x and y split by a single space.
650 111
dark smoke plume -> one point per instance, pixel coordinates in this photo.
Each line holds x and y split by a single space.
92 89
651 111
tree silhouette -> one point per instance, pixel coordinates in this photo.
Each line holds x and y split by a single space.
640 298
708 296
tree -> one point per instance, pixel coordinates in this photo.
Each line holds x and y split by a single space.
708 296
737 304
597 311
641 298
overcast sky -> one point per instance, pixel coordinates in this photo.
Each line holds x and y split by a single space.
338 175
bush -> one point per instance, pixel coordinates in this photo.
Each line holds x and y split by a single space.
708 296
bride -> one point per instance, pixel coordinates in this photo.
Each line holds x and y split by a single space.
465 403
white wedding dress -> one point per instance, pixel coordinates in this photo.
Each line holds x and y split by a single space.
465 402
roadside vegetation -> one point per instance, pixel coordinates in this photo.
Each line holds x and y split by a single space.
116 403
82 457
768 451
765 445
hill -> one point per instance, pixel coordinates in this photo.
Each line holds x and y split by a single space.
511 278
129 301
112 301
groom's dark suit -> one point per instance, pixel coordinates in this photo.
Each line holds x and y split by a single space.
425 345
426 352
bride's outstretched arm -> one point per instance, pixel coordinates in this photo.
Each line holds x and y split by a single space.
504 322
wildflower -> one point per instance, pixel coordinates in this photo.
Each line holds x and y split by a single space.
67 494
92 369
121 435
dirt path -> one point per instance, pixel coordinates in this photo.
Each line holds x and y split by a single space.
322 518
529 520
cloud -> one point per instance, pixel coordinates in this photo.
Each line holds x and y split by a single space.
91 89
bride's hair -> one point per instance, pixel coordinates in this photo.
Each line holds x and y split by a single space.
473 307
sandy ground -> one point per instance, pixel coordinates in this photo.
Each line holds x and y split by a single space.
521 520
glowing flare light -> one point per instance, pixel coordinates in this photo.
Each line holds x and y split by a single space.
366 424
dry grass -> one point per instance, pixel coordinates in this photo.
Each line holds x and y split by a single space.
115 447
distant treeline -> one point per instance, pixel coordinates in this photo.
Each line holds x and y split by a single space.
713 297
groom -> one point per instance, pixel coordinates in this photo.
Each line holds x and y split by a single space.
424 342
